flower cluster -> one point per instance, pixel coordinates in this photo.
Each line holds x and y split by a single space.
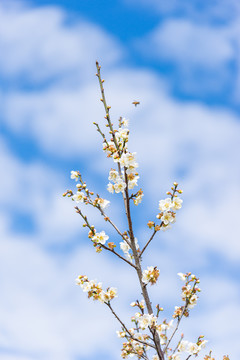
150 275
102 203
189 347
75 175
117 149
134 347
162 330
144 320
137 198
100 238
118 185
95 290
125 247
168 208
190 289
189 294
83 195
119 178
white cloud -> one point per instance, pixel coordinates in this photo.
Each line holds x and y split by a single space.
36 189
204 55
43 313
180 40
58 119
38 43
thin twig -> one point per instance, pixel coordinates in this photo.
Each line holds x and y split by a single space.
117 254
126 329
177 344
176 328
100 132
115 227
107 108
103 246
148 243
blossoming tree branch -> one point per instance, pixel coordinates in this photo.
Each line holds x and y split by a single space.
149 336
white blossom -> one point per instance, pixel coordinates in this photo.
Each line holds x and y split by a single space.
119 186
74 175
121 334
193 348
167 218
192 301
125 122
103 203
113 175
100 238
182 347
124 246
78 197
177 203
182 276
110 188
203 344
136 243
138 199
133 182
146 320
150 275
122 134
110 294
128 159
165 205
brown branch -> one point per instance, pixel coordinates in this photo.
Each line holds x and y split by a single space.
139 270
128 215
148 243
117 254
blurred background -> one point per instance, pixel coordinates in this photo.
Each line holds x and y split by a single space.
181 61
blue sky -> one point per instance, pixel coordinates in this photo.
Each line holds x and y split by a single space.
181 61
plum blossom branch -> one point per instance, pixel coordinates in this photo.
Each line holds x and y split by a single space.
123 180
91 228
188 294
